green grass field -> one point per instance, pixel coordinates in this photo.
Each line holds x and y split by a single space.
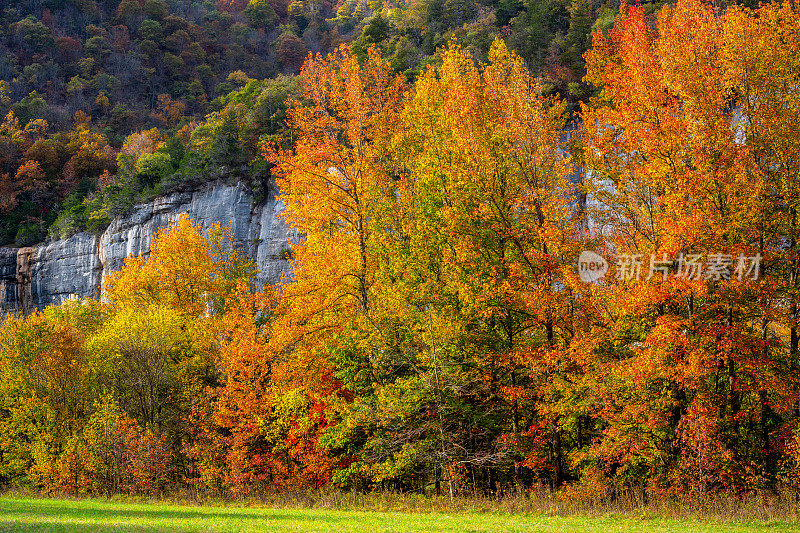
40 515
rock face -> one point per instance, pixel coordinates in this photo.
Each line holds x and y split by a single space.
8 278
60 269
36 277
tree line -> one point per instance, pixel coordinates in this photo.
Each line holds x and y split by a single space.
436 333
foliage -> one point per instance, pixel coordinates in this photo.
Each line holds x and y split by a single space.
120 69
433 335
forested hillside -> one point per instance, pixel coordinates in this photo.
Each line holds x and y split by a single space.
105 103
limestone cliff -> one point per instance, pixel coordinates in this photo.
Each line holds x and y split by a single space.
8 278
46 274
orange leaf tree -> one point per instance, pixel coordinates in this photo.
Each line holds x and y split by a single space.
677 140
338 186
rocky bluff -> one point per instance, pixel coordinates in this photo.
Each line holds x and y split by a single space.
32 278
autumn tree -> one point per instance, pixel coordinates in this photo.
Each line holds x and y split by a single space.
48 386
490 184
338 183
186 270
677 154
335 183
417 267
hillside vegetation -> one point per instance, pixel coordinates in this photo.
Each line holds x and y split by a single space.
105 103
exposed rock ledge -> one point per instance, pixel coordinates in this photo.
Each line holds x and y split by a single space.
36 277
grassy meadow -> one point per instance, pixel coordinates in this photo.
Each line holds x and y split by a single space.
28 515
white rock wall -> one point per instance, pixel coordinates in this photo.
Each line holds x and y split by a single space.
76 266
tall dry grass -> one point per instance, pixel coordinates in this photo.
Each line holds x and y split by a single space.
781 505
773 506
